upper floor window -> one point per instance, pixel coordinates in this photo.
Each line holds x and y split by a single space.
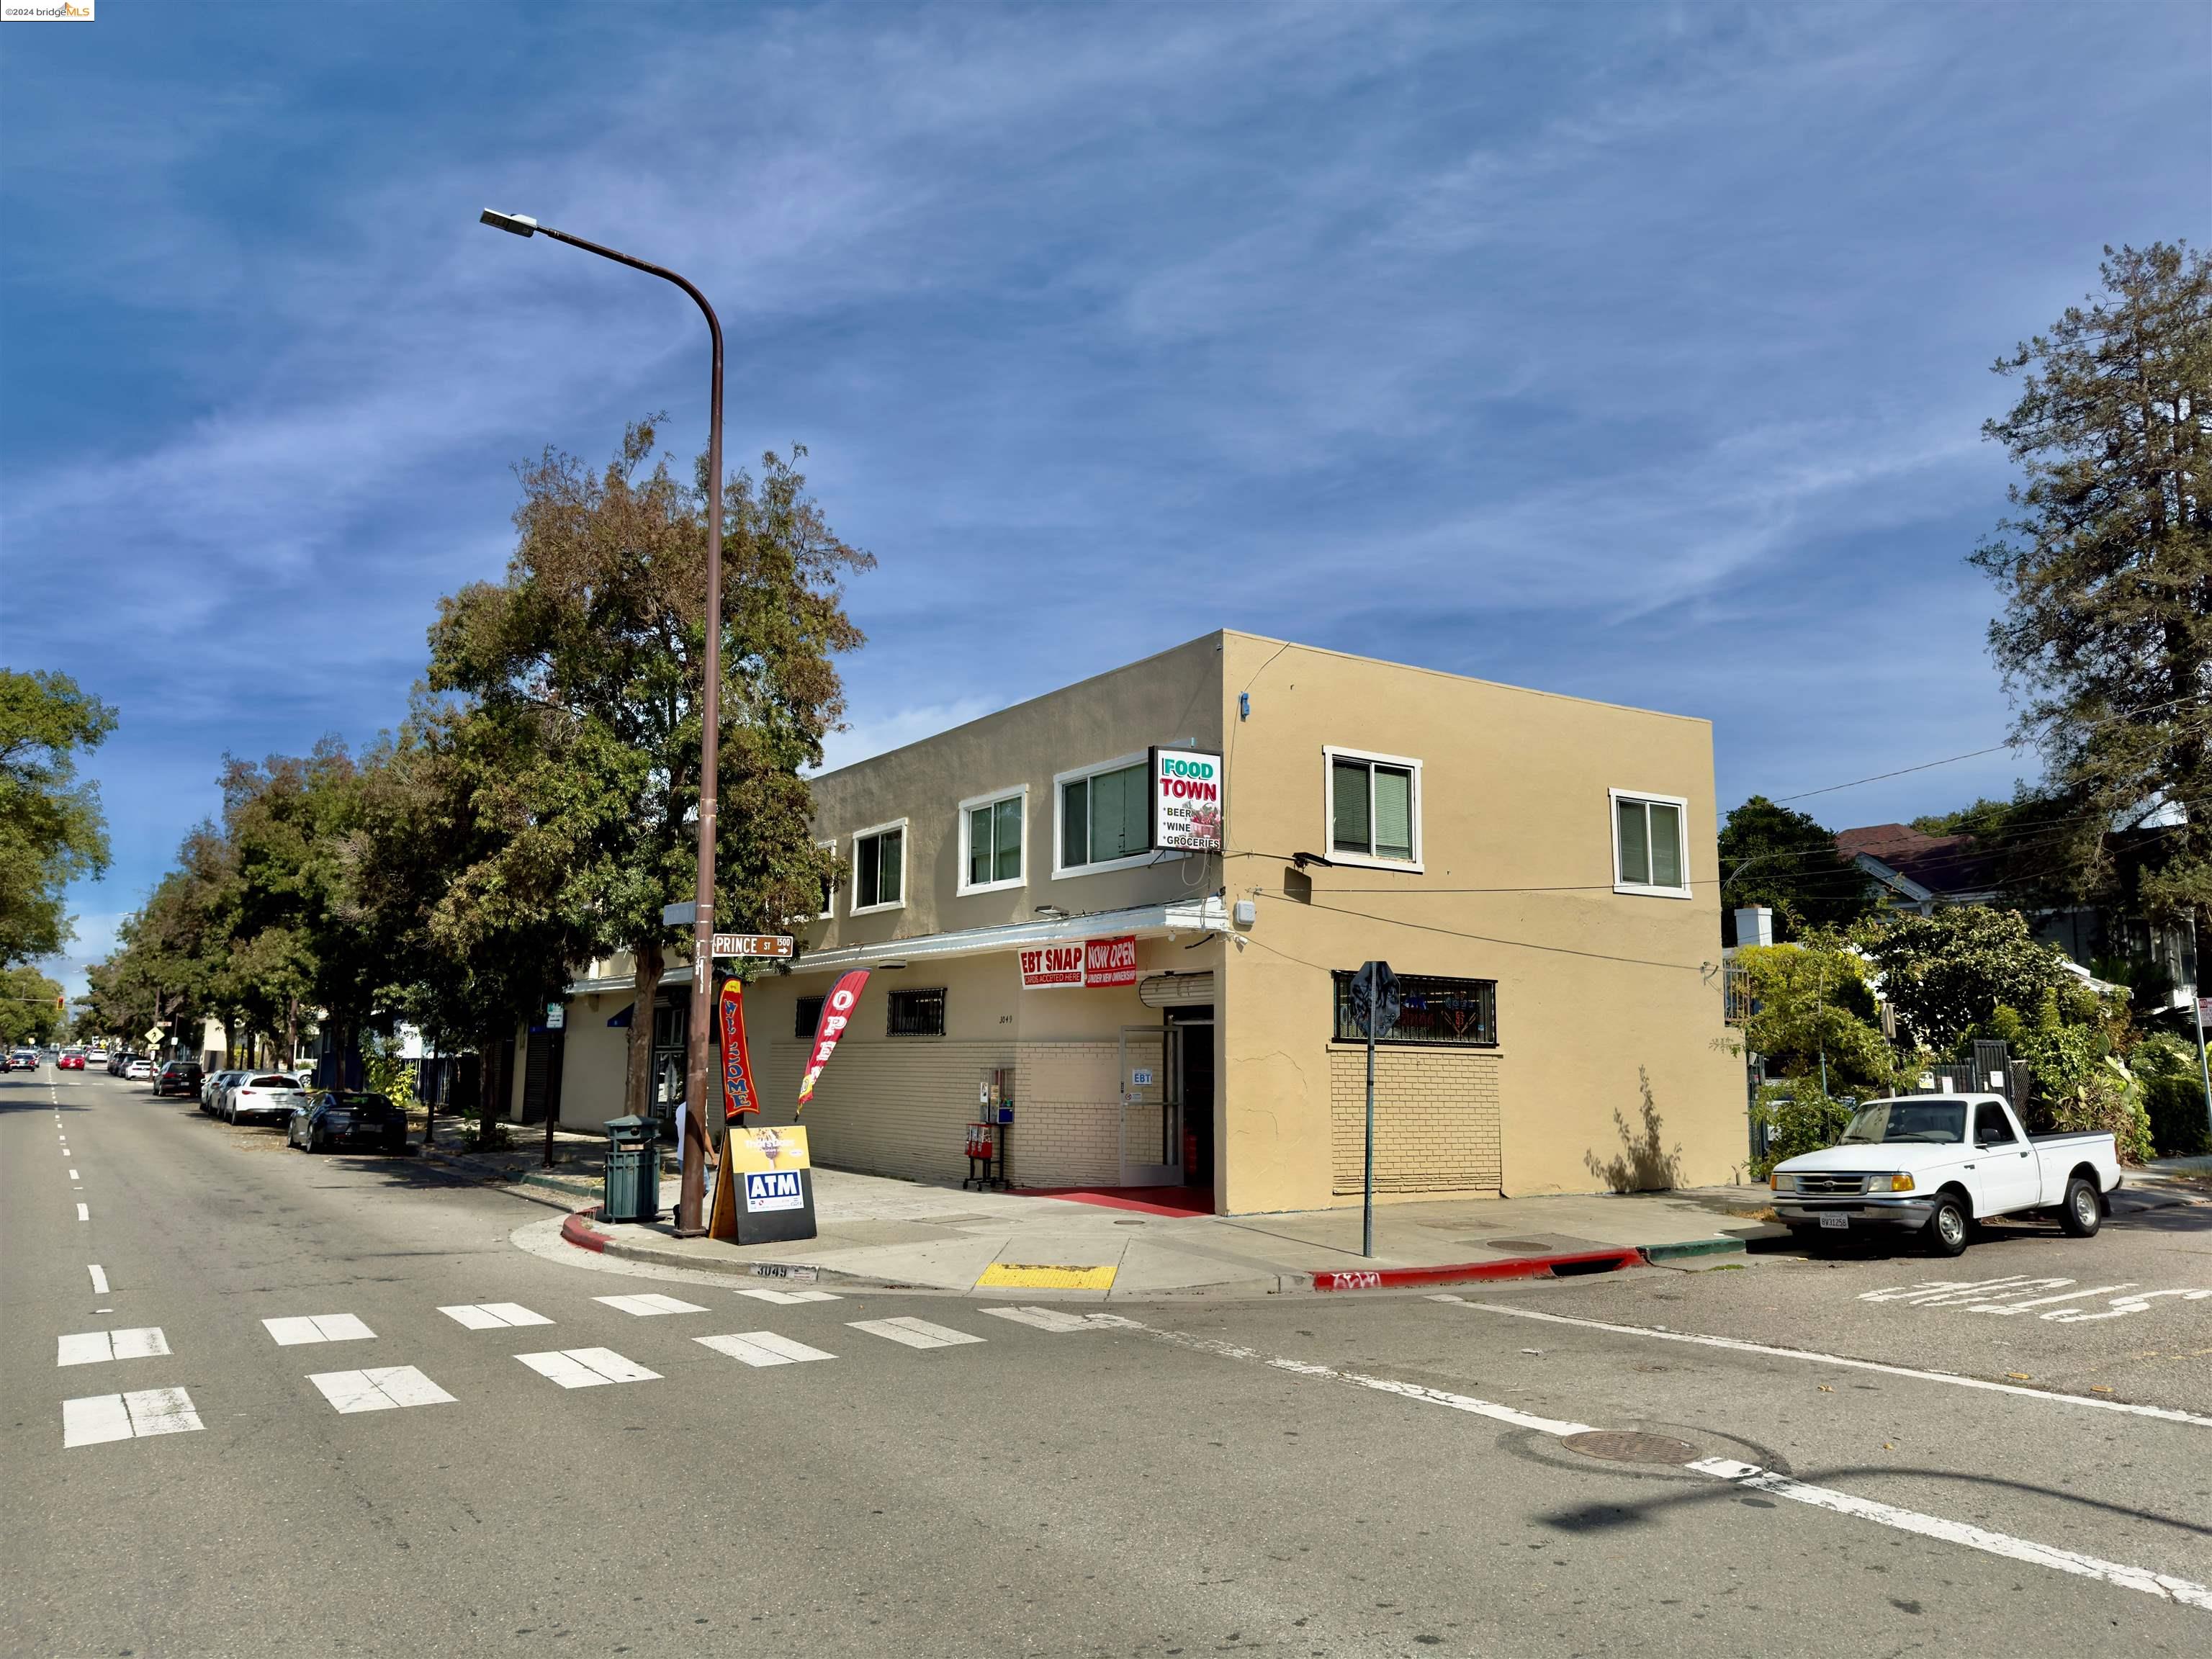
1102 814
879 868
991 841
1648 846
1374 809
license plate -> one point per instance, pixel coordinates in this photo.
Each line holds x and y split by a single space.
1839 1222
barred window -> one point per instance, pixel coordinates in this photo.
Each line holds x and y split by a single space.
1457 1013
807 1014
917 1013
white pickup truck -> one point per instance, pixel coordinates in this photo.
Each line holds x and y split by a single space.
1936 1165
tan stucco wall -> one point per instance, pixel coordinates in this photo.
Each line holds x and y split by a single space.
1606 1001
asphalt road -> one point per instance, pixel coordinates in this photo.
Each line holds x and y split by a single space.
1315 1476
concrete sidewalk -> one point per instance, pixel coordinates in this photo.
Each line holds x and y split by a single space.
879 1232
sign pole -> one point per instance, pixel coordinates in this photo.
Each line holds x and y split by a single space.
2196 1001
1367 1184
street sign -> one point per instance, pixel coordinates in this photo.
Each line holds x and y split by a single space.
154 1036
1375 1000
775 946
680 916
556 1015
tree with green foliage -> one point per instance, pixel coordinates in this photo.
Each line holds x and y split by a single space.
31 1007
2106 572
51 829
598 630
1789 862
1814 1014
1947 972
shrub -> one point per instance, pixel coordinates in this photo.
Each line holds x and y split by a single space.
1798 1117
2175 1106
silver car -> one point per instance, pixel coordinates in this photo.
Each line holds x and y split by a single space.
211 1088
261 1097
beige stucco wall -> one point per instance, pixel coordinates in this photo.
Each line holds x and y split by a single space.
1610 1067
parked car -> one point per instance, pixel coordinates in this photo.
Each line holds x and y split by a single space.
72 1060
177 1076
333 1119
23 1060
139 1071
262 1097
1910 1164
211 1088
96 1055
118 1061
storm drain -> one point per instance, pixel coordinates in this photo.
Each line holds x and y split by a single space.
1626 1446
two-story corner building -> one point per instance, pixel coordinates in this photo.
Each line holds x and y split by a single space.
1537 869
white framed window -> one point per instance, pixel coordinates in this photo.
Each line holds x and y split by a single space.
992 830
829 884
1372 806
1101 817
1651 851
879 869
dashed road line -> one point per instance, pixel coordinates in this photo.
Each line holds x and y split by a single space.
137 1415
912 1333
84 1212
381 1389
98 1347
759 1348
301 1328
649 1305
586 1368
493 1316
1660 1334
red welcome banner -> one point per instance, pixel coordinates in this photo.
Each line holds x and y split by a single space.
836 1014
738 1095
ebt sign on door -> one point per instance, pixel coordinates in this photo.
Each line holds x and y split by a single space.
1186 800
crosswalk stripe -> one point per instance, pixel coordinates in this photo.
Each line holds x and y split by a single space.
97 1347
136 1415
761 1348
585 1368
649 1305
912 1333
1055 1320
493 1316
380 1389
786 1298
298 1328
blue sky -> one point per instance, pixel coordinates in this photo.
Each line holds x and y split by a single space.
1634 352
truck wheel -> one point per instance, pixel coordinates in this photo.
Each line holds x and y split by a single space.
2081 1215
1946 1229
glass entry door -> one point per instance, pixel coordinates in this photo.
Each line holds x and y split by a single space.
1152 1125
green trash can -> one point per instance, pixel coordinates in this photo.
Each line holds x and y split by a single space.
633 1179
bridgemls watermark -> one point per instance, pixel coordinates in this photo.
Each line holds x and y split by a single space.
46 11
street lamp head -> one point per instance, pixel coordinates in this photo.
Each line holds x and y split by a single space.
517 224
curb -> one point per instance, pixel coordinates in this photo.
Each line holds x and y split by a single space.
576 1229
1564 1264
1693 1247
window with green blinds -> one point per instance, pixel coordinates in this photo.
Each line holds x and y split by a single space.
1372 809
994 842
1649 837
1102 816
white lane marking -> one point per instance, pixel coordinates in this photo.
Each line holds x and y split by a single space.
493 1316
2163 1413
785 1298
586 1368
912 1333
98 1347
381 1389
1055 1320
652 1303
84 1212
2139 1303
98 1278
298 1328
2188 1593
73 1175
761 1348
144 1412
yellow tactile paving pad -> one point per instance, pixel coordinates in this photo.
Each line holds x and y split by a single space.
1025 1276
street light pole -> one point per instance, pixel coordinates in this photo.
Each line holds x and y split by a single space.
697 1066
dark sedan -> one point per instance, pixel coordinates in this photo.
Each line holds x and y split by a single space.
333 1120
179 1077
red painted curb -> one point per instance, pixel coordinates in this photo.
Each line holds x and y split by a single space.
577 1230
1519 1266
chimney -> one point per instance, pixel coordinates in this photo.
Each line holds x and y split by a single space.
1754 925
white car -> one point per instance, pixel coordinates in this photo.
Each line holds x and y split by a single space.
139 1071
1936 1165
262 1096
96 1055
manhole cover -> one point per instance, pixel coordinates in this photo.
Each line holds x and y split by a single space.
1519 1246
1625 1446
